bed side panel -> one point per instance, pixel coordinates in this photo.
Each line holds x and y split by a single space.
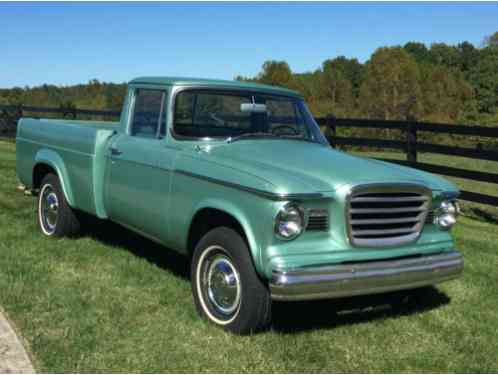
69 147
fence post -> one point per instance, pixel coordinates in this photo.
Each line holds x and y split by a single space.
331 130
411 142
20 112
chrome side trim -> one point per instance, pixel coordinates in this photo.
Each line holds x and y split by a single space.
344 280
262 193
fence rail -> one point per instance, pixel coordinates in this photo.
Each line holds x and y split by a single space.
14 112
412 147
409 145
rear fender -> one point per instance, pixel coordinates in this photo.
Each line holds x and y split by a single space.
54 160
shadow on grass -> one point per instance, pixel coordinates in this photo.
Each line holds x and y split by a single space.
8 139
302 316
115 235
482 215
287 316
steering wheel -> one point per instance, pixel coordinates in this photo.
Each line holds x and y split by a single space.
218 120
278 129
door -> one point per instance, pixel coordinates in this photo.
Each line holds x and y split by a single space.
137 184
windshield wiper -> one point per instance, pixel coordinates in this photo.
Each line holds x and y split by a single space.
298 138
263 135
251 135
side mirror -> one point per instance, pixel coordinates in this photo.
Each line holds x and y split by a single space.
253 108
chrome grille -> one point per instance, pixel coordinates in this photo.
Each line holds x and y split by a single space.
318 220
386 215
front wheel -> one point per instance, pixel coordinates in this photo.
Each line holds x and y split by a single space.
55 217
226 289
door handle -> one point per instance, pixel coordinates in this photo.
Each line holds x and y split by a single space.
115 151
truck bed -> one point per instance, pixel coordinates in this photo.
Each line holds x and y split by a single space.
75 149
71 134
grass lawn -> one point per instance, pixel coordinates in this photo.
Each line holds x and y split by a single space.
112 301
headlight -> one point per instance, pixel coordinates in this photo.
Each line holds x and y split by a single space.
289 222
446 214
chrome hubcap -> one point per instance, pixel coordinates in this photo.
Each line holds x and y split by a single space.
223 285
49 208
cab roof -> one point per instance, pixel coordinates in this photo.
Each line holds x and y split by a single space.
218 83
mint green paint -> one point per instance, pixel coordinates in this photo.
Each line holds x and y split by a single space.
239 211
212 83
142 190
99 170
54 160
300 167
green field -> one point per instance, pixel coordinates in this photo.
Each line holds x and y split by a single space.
112 301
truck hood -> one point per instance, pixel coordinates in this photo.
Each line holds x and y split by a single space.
302 167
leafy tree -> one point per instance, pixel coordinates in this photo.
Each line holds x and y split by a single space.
441 53
484 77
418 51
391 89
244 79
350 69
446 94
337 89
311 86
308 84
114 95
276 73
491 40
469 57
447 83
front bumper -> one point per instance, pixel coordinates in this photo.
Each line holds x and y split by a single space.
352 279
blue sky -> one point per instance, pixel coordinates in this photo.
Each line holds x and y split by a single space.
67 43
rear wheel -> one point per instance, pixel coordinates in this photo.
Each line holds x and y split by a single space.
55 217
226 289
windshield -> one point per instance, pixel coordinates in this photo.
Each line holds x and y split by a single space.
234 115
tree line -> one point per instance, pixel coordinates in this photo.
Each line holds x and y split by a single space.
439 83
436 83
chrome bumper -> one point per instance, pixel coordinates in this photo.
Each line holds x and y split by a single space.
343 280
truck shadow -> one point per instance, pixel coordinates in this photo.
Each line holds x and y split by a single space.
288 317
115 235
307 315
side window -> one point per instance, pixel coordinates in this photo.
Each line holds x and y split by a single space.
148 114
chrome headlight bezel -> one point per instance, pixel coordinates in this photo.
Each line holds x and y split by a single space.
446 214
291 213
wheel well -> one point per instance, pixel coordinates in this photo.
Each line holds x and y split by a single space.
207 219
40 171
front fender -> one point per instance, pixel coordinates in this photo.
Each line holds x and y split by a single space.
238 213
54 160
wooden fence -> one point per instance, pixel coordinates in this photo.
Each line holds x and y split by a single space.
409 145
66 112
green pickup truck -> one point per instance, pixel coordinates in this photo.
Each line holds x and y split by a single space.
238 177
